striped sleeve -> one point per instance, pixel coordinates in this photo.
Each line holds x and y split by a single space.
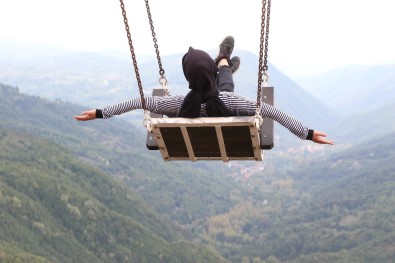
292 124
127 106
166 105
241 106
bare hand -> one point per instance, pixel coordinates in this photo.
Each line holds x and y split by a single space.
86 116
320 137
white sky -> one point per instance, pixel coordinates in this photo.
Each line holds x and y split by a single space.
306 36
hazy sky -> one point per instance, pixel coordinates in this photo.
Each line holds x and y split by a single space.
306 36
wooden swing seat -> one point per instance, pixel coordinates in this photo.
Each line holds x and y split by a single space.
221 138
208 138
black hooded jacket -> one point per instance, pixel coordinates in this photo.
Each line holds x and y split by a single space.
200 71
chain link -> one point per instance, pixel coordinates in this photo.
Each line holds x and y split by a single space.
161 70
265 67
263 49
136 70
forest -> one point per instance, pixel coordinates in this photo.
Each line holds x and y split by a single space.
92 192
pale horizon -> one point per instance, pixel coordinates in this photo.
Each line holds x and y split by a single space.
305 36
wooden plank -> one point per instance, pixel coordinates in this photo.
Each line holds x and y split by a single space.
188 143
221 143
172 140
204 141
238 141
204 121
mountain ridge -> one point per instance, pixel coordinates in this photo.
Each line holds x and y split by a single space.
58 209
302 204
354 89
278 209
72 76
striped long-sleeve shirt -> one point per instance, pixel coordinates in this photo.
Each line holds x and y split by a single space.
238 105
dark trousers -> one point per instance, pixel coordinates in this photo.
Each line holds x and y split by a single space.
224 79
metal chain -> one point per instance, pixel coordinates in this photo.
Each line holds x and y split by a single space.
136 70
161 70
263 50
265 67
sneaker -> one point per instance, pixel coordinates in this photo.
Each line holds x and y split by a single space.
234 64
225 49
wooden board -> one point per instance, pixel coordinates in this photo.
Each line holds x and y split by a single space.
223 138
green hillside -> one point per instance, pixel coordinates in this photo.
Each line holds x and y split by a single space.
118 148
335 208
54 208
352 204
302 204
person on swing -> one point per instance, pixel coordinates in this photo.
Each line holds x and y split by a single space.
211 95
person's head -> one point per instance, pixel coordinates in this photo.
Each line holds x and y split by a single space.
200 71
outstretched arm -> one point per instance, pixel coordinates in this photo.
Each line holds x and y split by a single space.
170 105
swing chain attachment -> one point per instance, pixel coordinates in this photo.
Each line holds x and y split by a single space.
265 79
258 120
163 83
147 121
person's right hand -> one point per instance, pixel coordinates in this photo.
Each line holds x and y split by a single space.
86 116
320 137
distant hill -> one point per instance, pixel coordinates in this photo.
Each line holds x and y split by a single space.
363 97
99 79
354 89
364 127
